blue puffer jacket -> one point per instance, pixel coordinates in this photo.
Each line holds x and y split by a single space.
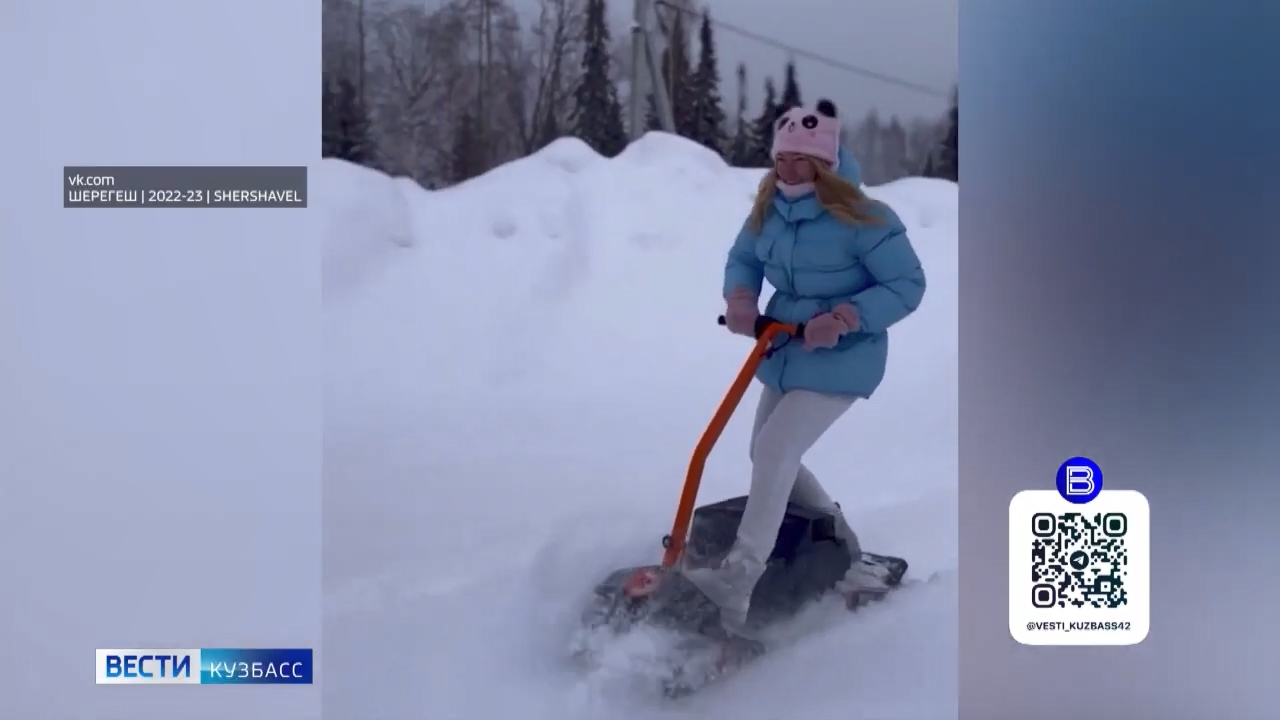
815 262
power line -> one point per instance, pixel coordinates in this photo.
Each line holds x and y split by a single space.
816 57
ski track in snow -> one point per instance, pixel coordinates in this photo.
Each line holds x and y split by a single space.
517 369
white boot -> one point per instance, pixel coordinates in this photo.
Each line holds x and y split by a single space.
729 585
846 533
862 578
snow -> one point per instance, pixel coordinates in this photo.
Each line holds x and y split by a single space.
516 371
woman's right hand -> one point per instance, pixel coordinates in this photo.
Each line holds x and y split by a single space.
742 308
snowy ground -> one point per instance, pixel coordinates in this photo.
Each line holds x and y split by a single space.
517 369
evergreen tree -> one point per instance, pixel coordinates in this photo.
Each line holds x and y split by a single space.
742 147
867 147
947 164
790 89
678 77
464 156
651 119
762 130
709 117
345 132
893 149
597 112
923 142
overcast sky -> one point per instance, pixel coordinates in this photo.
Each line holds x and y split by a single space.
917 40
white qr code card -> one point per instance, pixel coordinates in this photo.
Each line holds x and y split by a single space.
1079 573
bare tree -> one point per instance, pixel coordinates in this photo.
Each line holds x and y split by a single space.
552 60
432 68
339 41
410 72
484 87
505 84
620 66
416 69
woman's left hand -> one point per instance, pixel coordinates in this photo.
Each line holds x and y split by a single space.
825 330
849 315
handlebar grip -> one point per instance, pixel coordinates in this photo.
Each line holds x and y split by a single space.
762 323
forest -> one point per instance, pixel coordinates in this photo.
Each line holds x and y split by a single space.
444 94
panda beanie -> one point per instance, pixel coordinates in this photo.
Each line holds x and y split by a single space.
812 131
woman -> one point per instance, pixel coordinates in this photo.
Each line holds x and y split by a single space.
842 264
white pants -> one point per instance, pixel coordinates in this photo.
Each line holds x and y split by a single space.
786 426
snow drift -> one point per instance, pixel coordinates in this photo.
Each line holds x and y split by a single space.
517 369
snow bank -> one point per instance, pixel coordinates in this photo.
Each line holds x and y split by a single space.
367 217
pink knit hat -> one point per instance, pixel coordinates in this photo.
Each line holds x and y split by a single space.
809 131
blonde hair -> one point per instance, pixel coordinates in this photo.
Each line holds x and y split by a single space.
835 194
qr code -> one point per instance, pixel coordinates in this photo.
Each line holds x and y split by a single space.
1078 560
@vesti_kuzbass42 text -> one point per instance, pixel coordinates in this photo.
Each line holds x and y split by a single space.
1077 626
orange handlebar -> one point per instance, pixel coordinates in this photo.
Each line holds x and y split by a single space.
766 330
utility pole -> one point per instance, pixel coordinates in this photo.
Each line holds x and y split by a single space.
646 71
